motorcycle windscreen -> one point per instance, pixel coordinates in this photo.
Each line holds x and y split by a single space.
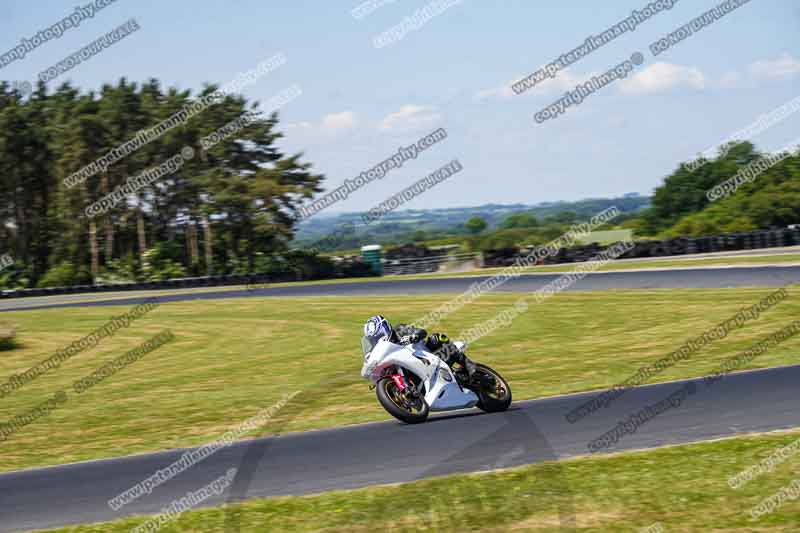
367 344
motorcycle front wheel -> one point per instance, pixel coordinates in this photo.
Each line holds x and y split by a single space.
492 399
397 404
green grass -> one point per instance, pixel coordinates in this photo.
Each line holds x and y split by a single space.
684 488
231 358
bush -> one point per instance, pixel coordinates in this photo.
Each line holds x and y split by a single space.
16 277
310 266
356 269
64 275
7 335
119 271
161 262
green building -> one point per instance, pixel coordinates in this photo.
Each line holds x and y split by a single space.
373 256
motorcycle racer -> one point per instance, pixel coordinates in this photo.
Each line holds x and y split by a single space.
377 328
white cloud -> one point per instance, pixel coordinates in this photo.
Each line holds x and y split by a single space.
298 126
730 80
784 66
660 77
618 121
339 121
501 93
564 81
410 116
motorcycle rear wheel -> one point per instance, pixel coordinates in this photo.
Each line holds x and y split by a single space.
492 401
392 399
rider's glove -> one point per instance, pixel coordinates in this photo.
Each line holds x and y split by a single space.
438 339
410 339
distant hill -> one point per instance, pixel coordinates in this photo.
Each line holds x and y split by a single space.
451 219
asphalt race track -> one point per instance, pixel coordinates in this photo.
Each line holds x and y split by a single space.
388 452
701 278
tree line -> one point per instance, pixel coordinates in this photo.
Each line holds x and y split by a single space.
681 206
227 210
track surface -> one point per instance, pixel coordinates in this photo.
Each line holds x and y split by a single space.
708 278
387 452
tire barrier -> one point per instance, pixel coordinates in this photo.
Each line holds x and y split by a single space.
354 269
754 240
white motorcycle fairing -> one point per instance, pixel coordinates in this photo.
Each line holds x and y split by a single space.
442 391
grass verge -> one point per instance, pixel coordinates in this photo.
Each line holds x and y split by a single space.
682 488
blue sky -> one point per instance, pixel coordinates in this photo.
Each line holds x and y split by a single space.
360 103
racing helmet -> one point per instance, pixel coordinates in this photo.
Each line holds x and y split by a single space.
376 329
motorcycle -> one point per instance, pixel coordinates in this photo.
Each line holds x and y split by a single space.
411 382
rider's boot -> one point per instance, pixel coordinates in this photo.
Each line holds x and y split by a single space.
466 363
